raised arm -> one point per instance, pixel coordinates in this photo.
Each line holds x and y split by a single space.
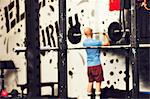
144 4
105 41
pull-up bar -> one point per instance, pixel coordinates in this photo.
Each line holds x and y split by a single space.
48 48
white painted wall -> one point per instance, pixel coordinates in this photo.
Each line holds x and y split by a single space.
94 13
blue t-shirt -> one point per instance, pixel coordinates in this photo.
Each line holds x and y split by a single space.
93 55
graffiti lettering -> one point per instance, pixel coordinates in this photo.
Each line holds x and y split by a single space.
74 30
13 18
52 37
49 35
42 4
9 14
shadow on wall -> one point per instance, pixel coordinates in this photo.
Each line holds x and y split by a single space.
144 63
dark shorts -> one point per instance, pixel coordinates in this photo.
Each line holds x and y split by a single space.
95 73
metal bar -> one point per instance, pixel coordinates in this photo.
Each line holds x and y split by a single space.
144 45
100 47
48 48
62 53
127 74
134 51
125 30
84 34
33 48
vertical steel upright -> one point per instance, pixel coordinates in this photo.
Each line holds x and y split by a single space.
33 48
62 52
127 73
134 50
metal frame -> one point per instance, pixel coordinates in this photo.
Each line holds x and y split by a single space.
127 73
48 48
33 48
62 51
33 63
134 50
